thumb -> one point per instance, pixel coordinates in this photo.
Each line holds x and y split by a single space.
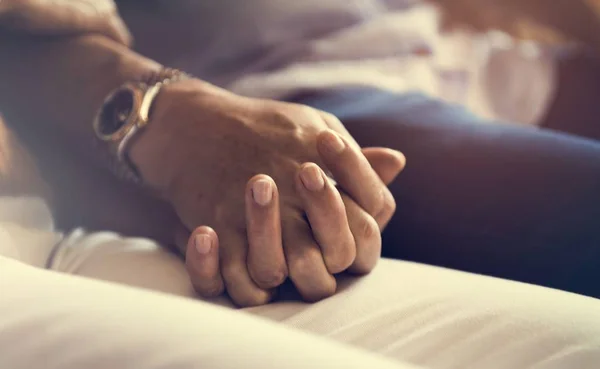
387 163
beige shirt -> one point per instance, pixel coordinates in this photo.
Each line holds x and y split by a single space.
275 48
368 47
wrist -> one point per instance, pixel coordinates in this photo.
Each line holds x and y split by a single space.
155 152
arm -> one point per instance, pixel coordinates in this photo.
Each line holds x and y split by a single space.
49 44
50 92
59 84
38 18
19 175
197 152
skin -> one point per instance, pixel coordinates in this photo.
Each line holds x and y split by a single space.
283 149
222 141
264 232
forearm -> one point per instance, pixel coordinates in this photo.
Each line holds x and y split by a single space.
58 85
19 175
50 91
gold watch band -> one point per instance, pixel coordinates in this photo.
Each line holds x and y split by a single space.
117 144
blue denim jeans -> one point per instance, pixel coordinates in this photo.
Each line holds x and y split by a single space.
499 199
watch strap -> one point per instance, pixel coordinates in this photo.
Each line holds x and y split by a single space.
119 161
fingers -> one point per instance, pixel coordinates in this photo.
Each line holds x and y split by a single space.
240 286
356 177
336 125
306 267
385 162
210 276
327 217
202 262
266 260
367 237
251 269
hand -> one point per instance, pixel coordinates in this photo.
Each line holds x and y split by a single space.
202 246
264 222
203 145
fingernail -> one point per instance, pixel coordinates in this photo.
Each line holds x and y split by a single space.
203 243
312 178
262 192
334 143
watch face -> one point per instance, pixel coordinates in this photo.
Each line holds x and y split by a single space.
116 112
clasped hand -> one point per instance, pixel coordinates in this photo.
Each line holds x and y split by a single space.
251 182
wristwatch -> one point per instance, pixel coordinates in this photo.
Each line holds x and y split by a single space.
124 114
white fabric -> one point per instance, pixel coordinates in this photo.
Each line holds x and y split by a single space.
53 321
413 314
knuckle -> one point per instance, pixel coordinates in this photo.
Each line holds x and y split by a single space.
209 289
388 208
383 204
280 117
309 276
368 247
330 118
306 111
367 228
269 278
341 259
283 120
288 115
389 204
240 288
305 265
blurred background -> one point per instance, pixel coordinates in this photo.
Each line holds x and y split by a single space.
496 57
550 21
